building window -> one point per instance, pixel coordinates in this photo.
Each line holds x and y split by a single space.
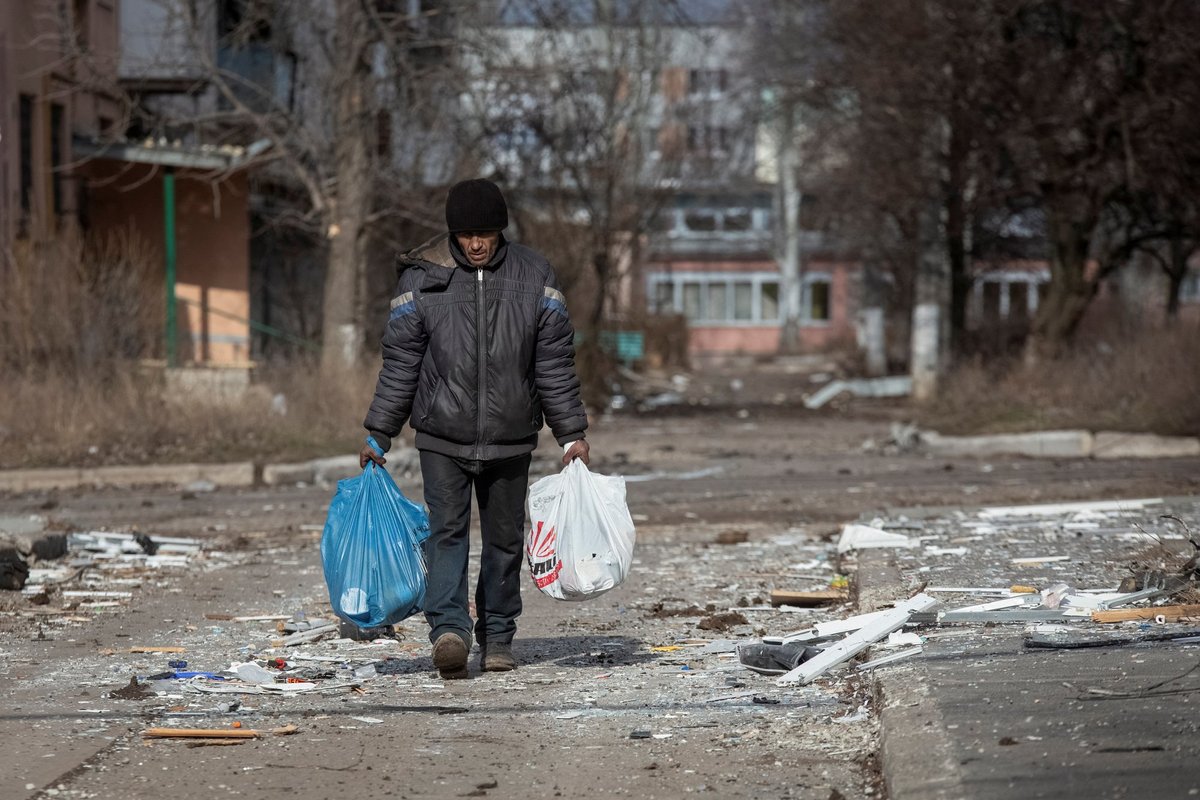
770 301
57 118
1189 290
739 299
707 139
743 301
707 81
816 302
26 126
383 134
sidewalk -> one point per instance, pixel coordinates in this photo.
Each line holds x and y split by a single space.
980 715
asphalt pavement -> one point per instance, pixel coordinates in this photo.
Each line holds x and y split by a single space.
980 714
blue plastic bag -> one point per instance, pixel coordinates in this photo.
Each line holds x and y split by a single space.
371 550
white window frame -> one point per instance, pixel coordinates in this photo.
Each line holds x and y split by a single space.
1189 290
677 280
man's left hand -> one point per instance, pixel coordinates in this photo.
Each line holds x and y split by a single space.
578 450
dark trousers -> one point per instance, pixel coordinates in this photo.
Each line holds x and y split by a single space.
500 491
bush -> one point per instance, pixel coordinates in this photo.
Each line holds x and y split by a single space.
1146 382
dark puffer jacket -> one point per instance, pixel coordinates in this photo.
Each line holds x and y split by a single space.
477 391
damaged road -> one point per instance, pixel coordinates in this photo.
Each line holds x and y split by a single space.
637 693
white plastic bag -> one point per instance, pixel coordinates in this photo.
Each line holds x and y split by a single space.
580 540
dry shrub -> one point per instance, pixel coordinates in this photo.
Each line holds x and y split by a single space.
1147 382
79 306
57 419
77 321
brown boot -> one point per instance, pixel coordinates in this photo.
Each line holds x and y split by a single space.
450 656
497 657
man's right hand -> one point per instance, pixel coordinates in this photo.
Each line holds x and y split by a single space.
368 454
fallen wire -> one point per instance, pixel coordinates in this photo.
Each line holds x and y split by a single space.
1149 691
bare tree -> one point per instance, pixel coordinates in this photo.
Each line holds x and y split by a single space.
573 113
1064 106
344 83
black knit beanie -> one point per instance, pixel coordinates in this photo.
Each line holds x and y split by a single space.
475 205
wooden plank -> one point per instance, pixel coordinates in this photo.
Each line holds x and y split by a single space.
158 650
215 733
780 597
1170 613
200 733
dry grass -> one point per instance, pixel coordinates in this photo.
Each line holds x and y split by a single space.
126 416
1149 382
78 305
76 321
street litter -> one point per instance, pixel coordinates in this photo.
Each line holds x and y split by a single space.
856 642
1077 640
215 733
890 658
1032 561
821 597
861 537
303 637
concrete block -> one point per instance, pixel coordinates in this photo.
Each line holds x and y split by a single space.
237 473
32 480
332 470
288 474
1113 444
1039 444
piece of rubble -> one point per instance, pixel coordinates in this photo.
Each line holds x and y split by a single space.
822 597
891 620
861 537
1156 613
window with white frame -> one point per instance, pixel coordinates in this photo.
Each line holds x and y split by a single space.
1189 290
735 298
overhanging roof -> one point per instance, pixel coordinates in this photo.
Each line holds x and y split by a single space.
206 157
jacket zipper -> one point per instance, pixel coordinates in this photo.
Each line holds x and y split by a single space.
481 353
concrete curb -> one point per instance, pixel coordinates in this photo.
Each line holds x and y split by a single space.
239 474
916 754
1063 444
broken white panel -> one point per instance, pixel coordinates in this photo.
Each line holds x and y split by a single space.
890 658
1059 509
985 590
828 630
855 643
861 537
1006 602
252 673
893 386
1040 559
902 639
934 550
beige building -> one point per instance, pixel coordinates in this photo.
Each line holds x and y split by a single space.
65 163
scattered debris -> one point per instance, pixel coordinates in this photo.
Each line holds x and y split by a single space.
894 386
1159 614
822 597
858 641
723 621
215 733
132 691
860 537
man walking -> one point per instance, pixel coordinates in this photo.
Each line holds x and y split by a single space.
478 350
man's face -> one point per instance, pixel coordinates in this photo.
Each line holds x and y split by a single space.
479 246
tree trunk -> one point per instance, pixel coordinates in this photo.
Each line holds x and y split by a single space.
1177 269
1070 290
956 235
791 269
345 278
